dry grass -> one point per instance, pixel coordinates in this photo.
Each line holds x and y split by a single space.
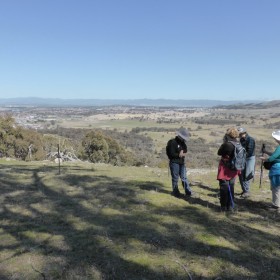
104 222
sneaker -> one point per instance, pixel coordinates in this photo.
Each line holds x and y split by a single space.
273 208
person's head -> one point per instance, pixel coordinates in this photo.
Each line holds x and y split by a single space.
232 133
242 132
276 136
183 134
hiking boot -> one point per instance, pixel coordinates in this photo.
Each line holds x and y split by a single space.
176 193
230 209
245 195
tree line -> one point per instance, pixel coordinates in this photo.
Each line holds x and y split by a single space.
88 144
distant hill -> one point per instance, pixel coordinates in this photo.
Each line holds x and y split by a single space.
33 101
252 105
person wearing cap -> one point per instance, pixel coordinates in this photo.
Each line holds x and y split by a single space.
226 176
274 172
176 151
248 172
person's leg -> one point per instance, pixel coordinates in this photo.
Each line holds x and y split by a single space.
248 175
241 181
250 168
184 179
246 188
245 185
275 189
223 194
174 170
276 197
230 201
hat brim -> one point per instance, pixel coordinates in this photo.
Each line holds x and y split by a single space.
276 136
183 136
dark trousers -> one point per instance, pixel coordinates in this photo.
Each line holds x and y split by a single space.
227 193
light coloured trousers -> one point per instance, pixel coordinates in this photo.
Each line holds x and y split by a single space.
276 196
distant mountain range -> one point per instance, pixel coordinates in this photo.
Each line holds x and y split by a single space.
34 101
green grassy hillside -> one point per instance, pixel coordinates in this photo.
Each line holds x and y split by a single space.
96 221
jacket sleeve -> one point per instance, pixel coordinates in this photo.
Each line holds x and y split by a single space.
250 149
220 151
275 155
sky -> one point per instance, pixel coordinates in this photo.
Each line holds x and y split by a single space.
134 49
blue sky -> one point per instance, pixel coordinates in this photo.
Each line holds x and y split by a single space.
130 49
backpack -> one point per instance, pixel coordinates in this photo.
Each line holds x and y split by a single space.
238 161
168 148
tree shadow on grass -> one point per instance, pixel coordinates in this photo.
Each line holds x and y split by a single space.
204 186
97 227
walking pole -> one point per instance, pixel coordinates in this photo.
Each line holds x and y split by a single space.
230 195
168 168
261 174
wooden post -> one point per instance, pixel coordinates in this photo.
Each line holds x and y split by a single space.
59 158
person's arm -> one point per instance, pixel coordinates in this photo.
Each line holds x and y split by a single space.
221 150
184 150
267 152
250 147
275 155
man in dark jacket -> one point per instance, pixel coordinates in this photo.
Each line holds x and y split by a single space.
176 151
247 174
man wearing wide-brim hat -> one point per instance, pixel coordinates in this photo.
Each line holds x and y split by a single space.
274 172
176 151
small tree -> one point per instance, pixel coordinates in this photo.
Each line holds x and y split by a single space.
96 147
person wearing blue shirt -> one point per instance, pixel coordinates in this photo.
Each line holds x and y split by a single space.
274 172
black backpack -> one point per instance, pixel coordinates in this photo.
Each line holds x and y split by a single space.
238 161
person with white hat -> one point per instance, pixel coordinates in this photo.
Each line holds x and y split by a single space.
176 151
274 172
248 172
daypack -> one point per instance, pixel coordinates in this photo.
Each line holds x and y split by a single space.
168 148
238 161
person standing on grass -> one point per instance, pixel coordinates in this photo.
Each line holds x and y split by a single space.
247 174
274 172
226 176
176 151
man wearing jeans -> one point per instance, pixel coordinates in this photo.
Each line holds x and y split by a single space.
248 172
176 151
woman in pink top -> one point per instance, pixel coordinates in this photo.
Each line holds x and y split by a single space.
226 176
